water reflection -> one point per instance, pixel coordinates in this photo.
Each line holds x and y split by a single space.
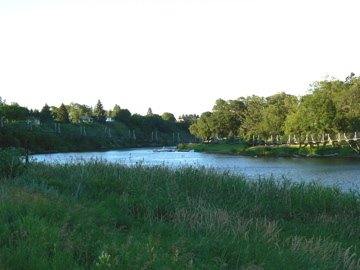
344 173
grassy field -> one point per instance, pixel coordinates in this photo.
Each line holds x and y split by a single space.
104 216
276 151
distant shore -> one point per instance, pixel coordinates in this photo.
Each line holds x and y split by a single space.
291 151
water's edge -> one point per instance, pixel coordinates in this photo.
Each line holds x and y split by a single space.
341 172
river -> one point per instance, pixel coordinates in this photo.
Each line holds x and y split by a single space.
343 173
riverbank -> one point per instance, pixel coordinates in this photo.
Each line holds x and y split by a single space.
40 139
272 151
107 216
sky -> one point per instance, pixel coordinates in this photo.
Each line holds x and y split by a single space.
175 56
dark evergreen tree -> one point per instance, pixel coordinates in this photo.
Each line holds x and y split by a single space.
34 113
63 114
189 118
45 114
99 112
149 112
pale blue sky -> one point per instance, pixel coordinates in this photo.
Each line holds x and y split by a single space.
176 56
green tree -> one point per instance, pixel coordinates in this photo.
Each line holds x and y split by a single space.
189 118
315 115
149 112
55 112
115 111
166 116
14 112
186 120
277 108
77 110
35 113
228 117
99 112
45 114
203 128
253 116
352 97
347 101
236 110
62 114
124 115
220 117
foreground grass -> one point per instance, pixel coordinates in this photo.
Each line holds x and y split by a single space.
103 216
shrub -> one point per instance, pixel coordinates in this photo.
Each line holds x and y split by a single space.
11 162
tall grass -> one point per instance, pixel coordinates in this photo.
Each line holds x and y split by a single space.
106 216
11 162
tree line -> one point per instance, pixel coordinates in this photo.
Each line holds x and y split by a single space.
88 128
330 106
75 113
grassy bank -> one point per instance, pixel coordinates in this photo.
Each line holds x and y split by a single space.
103 216
275 151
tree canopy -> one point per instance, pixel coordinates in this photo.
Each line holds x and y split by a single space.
77 110
331 106
13 112
168 117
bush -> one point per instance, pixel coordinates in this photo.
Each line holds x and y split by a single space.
11 162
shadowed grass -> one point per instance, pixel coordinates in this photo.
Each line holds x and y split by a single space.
106 216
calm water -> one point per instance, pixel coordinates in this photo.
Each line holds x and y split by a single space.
343 173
